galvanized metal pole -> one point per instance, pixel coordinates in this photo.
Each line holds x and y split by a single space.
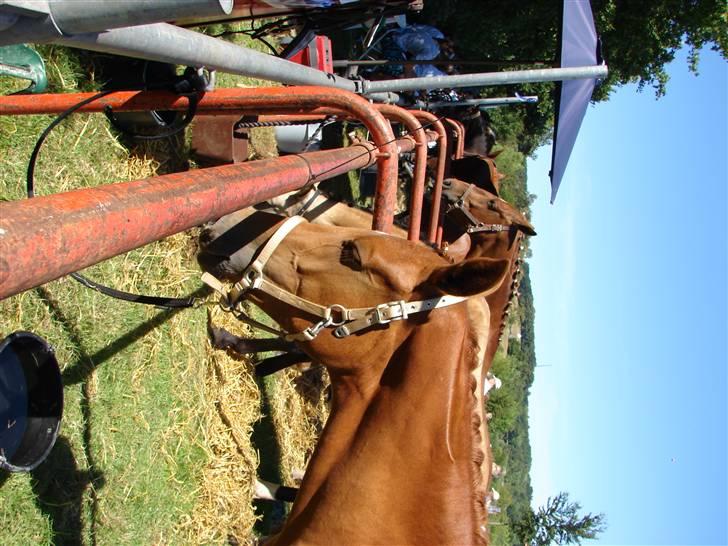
40 21
487 79
170 44
482 103
74 16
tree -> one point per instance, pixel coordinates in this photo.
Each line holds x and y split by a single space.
638 39
558 522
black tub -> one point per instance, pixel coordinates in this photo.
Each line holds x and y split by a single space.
31 401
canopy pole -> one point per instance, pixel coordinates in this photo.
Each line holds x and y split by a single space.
487 79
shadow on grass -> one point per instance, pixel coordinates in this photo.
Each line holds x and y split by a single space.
57 483
80 370
62 477
265 441
59 488
66 529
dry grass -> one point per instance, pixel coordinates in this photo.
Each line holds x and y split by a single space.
155 444
232 406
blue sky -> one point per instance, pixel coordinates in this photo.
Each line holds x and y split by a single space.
629 278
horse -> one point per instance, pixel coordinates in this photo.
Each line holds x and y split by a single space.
480 170
479 136
399 460
496 229
468 207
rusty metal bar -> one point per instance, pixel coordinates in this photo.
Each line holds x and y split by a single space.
461 140
44 238
419 135
455 144
306 100
433 120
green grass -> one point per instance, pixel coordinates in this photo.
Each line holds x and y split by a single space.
143 439
133 375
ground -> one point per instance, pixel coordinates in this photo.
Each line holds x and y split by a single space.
162 436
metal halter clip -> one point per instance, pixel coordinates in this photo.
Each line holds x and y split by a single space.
310 333
378 316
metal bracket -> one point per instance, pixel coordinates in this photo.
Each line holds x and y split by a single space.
20 61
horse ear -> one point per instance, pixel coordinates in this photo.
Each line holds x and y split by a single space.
527 228
471 277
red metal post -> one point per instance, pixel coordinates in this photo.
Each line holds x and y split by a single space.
432 120
47 237
419 135
459 130
306 100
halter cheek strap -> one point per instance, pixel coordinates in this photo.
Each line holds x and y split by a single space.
345 321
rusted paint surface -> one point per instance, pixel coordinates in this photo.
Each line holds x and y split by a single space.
306 100
44 238
458 146
432 120
416 131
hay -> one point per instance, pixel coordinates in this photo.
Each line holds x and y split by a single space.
232 407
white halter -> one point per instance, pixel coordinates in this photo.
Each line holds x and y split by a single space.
345 321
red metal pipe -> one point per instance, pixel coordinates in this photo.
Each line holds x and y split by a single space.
456 143
261 100
432 120
417 132
460 130
47 237
462 141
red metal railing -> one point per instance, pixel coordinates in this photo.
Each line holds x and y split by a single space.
306 100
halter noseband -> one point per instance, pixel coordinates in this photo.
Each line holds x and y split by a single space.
345 321
470 223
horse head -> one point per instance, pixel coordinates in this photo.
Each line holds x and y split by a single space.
405 420
479 136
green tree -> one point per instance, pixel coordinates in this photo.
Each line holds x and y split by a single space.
558 522
641 38
638 39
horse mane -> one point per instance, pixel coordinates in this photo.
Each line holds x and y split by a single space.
515 282
478 341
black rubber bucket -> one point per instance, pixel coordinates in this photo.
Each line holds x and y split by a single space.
31 401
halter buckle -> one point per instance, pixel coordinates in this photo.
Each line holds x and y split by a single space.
378 313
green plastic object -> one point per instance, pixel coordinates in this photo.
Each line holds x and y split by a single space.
20 61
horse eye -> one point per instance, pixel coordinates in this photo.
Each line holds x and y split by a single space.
492 204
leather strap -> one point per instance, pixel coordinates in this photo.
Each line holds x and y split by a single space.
345 321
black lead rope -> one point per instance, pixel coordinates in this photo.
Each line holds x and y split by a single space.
158 301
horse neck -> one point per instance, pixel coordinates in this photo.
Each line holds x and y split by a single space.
398 450
498 245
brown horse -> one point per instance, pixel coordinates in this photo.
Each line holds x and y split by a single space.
479 170
399 461
496 230
467 207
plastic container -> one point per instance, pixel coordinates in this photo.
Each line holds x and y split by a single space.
31 401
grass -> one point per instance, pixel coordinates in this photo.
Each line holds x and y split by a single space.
155 444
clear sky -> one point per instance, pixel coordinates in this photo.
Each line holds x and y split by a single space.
628 408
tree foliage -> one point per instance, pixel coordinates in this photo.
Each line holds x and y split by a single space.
559 522
638 40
